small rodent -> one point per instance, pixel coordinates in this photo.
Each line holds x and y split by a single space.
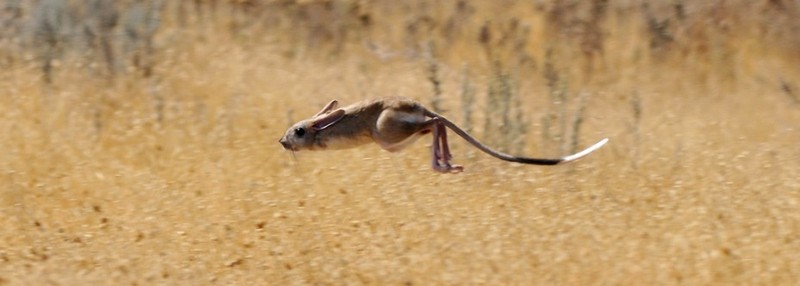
393 123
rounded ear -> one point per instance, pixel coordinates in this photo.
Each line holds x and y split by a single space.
327 120
330 106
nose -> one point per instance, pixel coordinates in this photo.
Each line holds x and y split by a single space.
284 143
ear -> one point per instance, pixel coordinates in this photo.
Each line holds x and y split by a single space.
327 120
331 105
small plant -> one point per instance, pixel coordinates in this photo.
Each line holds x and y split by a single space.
660 36
50 29
143 21
505 125
467 98
554 123
433 77
577 122
636 112
103 17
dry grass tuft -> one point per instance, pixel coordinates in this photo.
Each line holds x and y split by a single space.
154 159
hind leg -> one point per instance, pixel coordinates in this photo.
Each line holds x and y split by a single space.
396 130
441 151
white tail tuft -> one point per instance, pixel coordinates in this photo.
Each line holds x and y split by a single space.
585 152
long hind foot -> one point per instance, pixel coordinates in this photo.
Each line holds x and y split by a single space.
441 151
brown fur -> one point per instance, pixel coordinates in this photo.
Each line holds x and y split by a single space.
393 123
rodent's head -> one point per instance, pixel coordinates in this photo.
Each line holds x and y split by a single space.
303 135
299 137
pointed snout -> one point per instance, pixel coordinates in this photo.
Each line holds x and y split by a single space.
285 144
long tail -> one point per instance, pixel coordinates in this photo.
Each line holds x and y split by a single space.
512 158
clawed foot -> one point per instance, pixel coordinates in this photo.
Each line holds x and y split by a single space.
441 163
447 168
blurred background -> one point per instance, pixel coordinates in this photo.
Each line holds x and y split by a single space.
140 145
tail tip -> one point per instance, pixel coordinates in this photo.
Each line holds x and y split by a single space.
585 152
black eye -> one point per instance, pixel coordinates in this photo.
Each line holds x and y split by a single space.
300 132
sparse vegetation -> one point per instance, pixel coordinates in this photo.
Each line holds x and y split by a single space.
140 145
